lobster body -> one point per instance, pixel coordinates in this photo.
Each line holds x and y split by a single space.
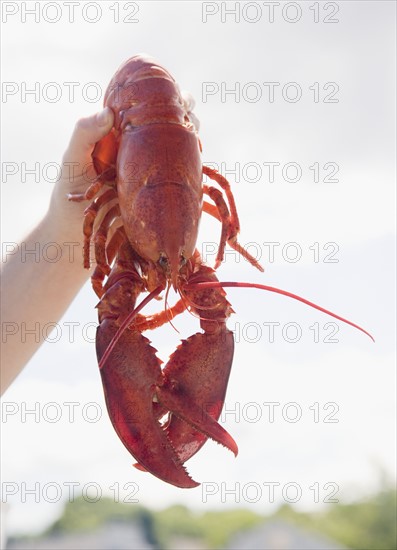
151 163
149 192
156 153
151 207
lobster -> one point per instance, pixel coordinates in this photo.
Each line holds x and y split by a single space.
150 193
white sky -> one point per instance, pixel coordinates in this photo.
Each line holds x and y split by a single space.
356 213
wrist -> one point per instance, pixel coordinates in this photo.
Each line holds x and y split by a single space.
60 229
65 218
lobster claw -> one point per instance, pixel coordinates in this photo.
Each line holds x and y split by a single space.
130 377
196 378
191 388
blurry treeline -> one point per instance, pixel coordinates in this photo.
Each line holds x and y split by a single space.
364 525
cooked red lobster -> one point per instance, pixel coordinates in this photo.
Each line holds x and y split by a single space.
150 186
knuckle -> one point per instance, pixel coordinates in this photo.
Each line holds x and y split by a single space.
83 124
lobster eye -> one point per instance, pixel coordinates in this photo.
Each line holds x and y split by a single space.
163 262
183 260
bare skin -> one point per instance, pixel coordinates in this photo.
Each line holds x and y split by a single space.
36 291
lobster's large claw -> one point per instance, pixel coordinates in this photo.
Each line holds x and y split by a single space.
196 379
130 378
192 388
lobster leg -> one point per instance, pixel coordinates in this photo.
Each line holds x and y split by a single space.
101 237
90 216
225 185
150 322
92 190
114 243
212 210
111 250
220 203
234 224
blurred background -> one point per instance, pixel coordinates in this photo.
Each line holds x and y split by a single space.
306 89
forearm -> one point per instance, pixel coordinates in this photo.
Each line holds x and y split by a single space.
37 288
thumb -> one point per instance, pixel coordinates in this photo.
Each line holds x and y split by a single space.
86 133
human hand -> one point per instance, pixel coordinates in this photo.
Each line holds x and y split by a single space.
77 173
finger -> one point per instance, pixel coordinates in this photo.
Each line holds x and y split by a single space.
86 133
189 104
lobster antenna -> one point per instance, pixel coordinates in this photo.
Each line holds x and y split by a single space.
220 284
167 309
126 322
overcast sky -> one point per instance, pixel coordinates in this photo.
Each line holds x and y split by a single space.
330 127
